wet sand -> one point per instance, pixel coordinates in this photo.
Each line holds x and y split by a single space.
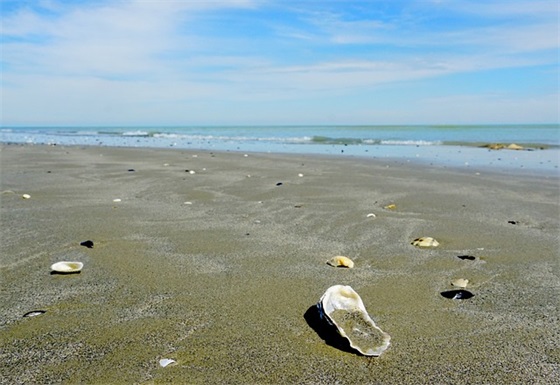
220 269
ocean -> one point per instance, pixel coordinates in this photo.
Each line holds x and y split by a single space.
440 145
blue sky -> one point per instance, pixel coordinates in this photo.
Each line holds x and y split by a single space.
164 62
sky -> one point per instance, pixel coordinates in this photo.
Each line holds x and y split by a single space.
278 62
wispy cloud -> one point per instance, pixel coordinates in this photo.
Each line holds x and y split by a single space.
165 57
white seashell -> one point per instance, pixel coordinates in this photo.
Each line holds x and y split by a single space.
192 172
461 282
117 200
343 308
67 267
166 362
340 261
370 215
166 164
300 175
26 196
188 203
425 242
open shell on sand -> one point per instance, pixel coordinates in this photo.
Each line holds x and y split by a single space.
67 267
340 261
425 242
343 308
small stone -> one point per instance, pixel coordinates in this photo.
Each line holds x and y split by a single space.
279 184
392 206
88 244
466 257
26 196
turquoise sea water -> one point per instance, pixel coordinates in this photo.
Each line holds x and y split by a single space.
440 145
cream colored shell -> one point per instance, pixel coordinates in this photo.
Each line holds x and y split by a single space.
425 242
67 267
341 261
460 282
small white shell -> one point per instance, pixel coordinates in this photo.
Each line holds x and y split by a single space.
460 282
26 196
117 200
425 242
340 261
67 267
342 307
370 215
300 175
166 362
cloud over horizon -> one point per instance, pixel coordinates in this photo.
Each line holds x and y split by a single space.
272 62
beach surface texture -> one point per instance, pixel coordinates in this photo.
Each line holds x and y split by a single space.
216 260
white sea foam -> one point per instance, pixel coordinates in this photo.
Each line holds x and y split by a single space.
411 142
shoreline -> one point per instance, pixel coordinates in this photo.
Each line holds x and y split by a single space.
492 162
218 269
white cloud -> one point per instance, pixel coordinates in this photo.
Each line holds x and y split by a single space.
135 60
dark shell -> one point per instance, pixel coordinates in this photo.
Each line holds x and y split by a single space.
88 244
457 294
466 257
34 313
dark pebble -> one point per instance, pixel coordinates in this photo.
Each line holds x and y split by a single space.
457 294
466 257
279 184
131 170
513 222
88 244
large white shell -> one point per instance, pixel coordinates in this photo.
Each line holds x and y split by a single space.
67 267
343 308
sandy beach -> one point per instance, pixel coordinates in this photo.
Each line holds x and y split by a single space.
217 260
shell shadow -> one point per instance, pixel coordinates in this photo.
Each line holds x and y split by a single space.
65 273
327 332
